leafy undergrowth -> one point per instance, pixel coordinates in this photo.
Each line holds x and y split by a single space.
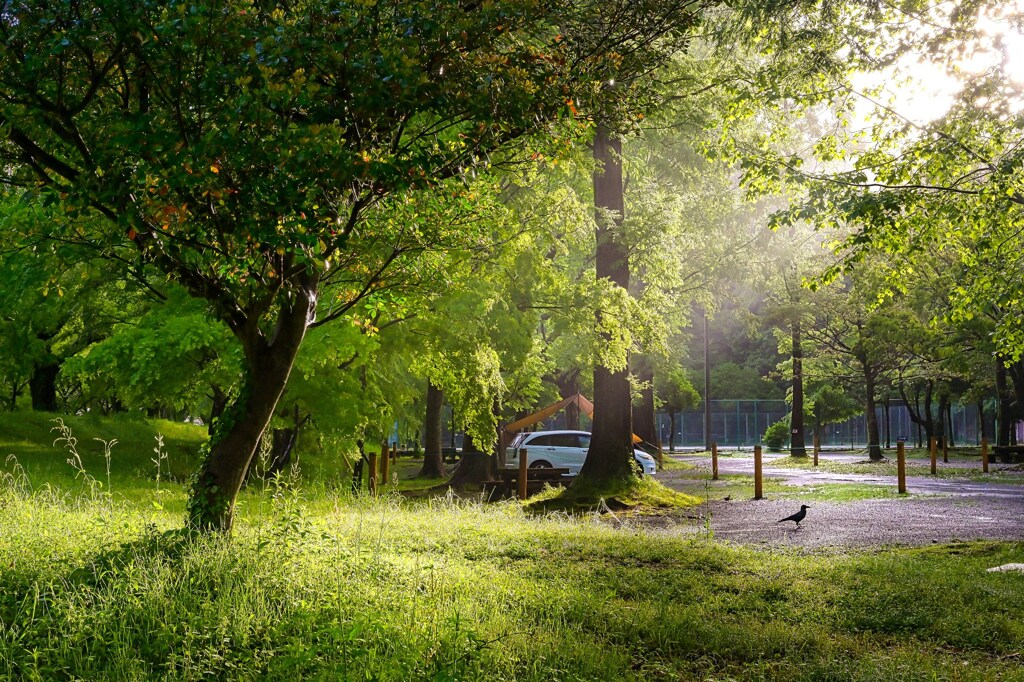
331 587
634 493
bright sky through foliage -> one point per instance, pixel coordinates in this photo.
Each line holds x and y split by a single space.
922 87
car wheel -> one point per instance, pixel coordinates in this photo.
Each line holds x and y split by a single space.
540 464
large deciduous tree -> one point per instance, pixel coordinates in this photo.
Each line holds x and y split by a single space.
257 153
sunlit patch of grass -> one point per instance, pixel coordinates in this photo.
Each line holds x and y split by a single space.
320 583
316 585
631 493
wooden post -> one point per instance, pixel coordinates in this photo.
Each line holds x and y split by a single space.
385 464
984 454
373 473
817 448
901 468
714 461
931 454
757 473
522 474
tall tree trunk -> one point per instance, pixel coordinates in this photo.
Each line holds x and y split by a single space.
949 424
874 449
940 423
43 385
433 460
797 441
358 466
475 466
888 422
928 421
1004 409
981 427
218 403
568 384
610 456
671 430
268 364
282 444
644 422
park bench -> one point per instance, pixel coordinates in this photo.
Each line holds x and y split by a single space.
505 483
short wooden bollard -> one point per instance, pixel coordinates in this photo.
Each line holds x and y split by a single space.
523 464
714 461
385 464
757 473
984 454
931 450
901 468
817 449
373 473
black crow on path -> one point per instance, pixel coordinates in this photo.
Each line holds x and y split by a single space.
798 517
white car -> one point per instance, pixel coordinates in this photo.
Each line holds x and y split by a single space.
562 449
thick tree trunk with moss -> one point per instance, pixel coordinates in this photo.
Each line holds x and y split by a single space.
611 447
475 466
433 459
238 432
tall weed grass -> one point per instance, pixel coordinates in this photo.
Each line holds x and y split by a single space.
317 583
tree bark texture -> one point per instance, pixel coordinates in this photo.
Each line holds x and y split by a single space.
940 423
644 422
1004 409
874 448
798 441
43 385
611 446
475 466
433 459
237 436
568 384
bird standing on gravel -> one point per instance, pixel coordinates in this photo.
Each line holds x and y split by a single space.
798 517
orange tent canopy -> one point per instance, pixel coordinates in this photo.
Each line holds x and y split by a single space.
586 407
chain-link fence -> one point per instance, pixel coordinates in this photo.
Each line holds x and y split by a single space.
742 423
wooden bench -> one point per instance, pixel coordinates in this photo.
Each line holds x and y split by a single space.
505 483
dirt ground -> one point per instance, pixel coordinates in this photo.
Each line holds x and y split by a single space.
950 511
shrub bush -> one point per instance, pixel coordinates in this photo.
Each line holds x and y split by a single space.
777 435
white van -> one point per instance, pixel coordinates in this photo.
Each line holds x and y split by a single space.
562 449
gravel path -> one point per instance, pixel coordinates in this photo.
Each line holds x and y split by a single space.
864 523
952 510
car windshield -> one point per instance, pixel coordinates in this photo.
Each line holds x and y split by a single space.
517 440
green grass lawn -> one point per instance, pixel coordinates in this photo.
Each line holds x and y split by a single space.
318 584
